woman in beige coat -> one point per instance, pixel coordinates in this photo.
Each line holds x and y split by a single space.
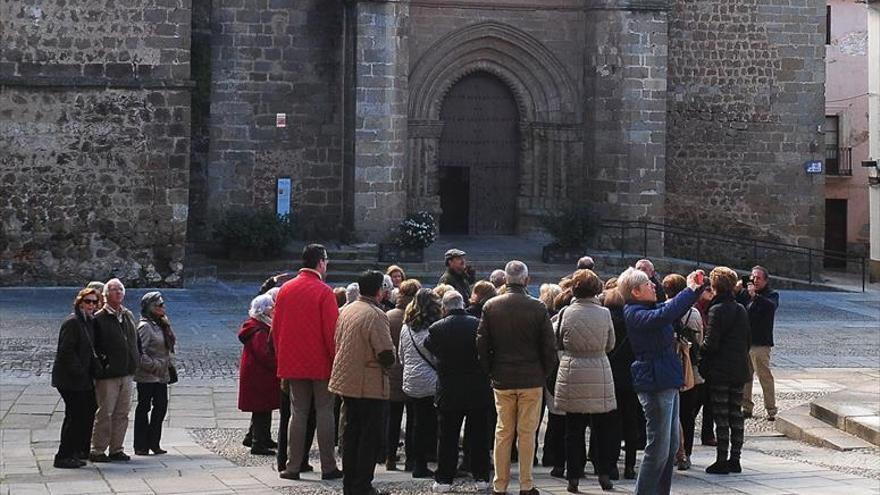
584 384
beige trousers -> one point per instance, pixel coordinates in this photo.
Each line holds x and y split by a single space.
518 412
759 363
111 419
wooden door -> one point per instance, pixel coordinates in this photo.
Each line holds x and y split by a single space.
481 134
835 231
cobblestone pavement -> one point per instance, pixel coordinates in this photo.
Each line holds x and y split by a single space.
837 332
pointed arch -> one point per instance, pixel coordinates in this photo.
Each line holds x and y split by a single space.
540 83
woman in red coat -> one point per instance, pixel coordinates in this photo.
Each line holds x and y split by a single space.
257 384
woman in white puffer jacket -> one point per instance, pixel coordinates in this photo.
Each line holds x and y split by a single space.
420 376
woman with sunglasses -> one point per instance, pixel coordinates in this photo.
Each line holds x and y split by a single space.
72 376
156 345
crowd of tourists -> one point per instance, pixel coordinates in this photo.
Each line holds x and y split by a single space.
472 365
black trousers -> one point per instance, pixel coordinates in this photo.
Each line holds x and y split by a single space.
628 424
476 451
361 437
707 428
149 414
283 428
602 445
424 430
554 441
79 419
727 412
688 408
395 416
261 429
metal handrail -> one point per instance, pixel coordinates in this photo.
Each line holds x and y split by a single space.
752 243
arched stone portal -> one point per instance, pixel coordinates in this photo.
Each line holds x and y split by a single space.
548 160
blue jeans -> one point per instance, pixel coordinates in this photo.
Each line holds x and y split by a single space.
661 416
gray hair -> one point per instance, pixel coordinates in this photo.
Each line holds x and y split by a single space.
517 272
352 292
498 278
113 281
629 280
586 262
273 292
261 305
646 264
98 286
452 300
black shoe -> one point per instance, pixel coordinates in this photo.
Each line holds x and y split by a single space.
263 451
282 466
288 475
69 463
614 474
629 473
119 457
711 442
718 467
159 451
422 473
99 458
533 491
273 444
306 468
558 472
141 452
83 456
605 482
248 440
734 466
332 475
572 486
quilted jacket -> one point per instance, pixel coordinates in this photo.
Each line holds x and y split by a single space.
155 358
584 383
419 377
361 335
303 328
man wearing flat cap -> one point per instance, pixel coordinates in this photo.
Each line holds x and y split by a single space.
458 274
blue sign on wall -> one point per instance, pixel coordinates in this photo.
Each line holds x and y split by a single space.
813 167
283 199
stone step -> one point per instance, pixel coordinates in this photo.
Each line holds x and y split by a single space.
855 412
798 424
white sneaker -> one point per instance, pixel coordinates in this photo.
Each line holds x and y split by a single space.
481 486
441 487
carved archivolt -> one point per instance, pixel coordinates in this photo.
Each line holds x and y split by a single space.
540 83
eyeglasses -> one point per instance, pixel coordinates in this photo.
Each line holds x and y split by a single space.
90 301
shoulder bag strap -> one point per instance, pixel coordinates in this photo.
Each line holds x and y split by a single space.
419 350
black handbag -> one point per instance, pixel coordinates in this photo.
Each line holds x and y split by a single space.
172 374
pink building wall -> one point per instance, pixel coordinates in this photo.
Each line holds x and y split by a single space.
846 95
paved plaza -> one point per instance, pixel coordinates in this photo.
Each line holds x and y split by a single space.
826 341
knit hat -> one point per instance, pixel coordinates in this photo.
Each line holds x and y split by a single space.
149 301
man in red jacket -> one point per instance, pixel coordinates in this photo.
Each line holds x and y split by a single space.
303 331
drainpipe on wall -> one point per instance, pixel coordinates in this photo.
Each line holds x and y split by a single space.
874 134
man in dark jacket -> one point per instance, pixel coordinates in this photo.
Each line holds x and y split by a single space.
462 390
761 302
116 343
517 349
458 274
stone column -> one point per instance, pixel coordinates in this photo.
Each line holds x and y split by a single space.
625 116
422 189
381 66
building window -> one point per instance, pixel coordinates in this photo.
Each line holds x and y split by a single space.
838 159
827 24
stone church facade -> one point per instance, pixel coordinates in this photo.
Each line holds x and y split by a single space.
128 128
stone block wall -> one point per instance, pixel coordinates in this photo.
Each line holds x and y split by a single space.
269 57
625 99
94 133
746 99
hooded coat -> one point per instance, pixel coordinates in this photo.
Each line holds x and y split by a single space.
258 384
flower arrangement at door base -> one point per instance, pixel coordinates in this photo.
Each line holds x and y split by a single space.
414 233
